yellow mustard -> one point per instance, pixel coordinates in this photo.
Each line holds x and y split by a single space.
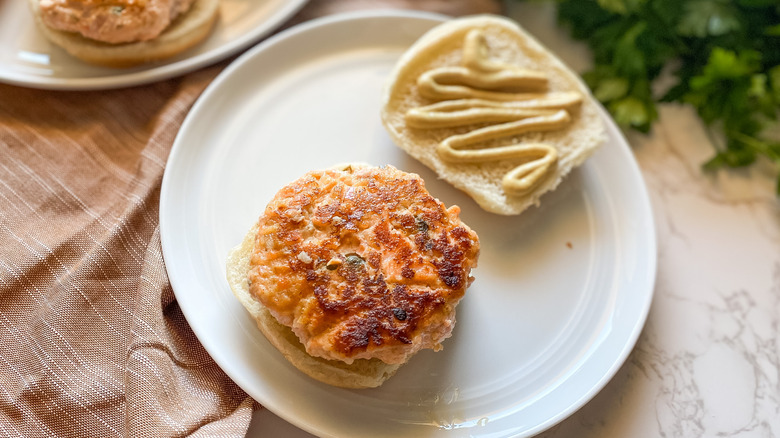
509 99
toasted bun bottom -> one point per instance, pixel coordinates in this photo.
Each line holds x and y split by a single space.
362 373
186 31
508 43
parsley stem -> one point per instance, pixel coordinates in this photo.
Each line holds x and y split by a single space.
757 145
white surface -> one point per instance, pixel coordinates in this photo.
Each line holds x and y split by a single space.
707 363
28 59
561 293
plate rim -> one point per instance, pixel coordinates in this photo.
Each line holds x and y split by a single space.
155 72
612 129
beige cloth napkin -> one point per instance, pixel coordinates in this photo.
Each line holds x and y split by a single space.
92 341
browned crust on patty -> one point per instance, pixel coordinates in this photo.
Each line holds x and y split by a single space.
362 263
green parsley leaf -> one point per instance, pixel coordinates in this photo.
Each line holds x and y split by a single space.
630 111
629 59
726 58
773 30
702 18
621 6
774 83
611 88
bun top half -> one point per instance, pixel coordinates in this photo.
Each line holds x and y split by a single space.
504 43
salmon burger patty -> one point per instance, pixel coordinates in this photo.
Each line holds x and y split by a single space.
113 21
125 33
362 263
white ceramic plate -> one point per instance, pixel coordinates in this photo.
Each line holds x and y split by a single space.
561 292
28 59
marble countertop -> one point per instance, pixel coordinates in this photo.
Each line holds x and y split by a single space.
708 360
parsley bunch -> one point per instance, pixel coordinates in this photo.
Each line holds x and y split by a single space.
724 55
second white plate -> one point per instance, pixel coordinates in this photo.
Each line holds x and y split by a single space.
28 59
561 292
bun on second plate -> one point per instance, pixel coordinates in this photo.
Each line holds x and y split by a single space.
188 29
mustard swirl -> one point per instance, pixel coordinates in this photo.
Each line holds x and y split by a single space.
509 99
461 112
450 148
